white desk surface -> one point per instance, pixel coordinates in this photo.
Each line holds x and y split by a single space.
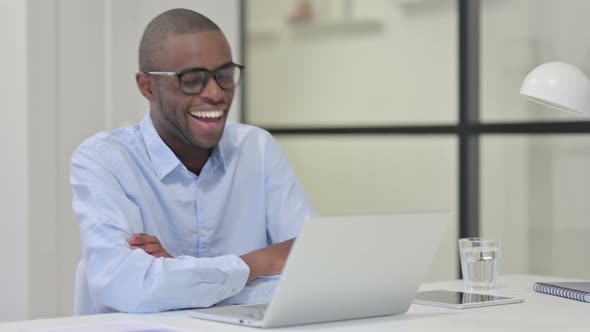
539 312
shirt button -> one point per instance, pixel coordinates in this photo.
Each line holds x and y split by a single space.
105 218
203 232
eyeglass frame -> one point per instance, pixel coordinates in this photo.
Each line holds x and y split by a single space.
210 74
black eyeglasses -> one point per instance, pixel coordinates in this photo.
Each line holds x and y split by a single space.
194 80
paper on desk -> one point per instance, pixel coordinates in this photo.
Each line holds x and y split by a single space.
114 326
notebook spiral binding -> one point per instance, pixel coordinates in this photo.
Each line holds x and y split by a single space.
559 291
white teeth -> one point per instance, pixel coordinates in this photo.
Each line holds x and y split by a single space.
207 114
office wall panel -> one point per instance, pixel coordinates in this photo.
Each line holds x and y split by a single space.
14 192
372 174
353 63
534 197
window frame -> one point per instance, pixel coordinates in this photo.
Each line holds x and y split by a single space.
468 130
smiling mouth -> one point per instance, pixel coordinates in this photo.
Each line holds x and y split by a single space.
207 115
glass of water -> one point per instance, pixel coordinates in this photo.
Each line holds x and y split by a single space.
480 262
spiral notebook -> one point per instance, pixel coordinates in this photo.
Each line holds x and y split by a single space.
579 291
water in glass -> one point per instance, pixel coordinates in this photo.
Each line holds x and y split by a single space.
480 267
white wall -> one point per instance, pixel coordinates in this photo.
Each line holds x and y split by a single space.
69 73
14 165
43 157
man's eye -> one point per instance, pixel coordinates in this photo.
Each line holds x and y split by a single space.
195 77
225 78
193 82
226 75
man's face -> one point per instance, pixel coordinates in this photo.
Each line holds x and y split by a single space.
193 121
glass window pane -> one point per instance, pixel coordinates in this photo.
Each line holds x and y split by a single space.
371 174
535 193
517 36
353 63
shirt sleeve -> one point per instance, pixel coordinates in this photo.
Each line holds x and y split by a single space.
132 280
259 291
287 203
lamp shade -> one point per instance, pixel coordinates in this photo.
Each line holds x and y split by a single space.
558 85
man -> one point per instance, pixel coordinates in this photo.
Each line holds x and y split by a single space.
181 210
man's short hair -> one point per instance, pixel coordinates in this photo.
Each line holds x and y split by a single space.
174 21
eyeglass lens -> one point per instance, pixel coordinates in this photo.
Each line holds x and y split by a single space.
195 81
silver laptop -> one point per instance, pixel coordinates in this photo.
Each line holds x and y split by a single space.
345 268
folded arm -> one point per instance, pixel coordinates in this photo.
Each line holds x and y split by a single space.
148 243
133 280
267 261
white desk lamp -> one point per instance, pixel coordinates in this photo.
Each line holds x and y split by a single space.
558 85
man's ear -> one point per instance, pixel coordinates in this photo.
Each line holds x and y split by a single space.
144 84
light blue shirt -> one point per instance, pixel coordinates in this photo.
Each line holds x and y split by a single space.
129 181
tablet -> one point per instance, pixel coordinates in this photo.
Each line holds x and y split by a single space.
461 300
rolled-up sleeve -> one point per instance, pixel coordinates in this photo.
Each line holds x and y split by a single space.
132 280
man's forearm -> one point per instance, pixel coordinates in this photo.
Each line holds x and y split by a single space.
133 281
268 261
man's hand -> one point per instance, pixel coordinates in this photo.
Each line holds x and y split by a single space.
150 244
267 261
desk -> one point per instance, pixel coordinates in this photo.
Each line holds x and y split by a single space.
539 312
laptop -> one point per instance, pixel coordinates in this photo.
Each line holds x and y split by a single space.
346 267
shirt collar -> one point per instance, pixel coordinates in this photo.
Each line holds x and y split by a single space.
163 159
218 156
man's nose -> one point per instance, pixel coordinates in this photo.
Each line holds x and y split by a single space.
212 91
